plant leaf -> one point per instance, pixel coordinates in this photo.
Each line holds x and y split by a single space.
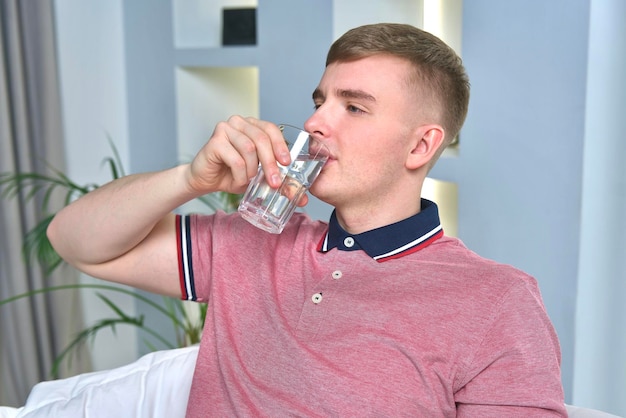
37 246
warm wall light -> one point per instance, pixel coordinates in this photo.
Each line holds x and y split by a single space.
445 194
432 17
444 18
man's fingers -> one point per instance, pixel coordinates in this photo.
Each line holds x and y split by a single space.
238 146
270 148
246 154
303 200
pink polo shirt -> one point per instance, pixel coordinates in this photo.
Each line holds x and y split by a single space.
295 329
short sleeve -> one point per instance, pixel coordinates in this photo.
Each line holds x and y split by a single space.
195 248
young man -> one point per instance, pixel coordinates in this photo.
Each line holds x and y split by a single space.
375 313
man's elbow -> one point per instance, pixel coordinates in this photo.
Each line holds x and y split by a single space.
55 234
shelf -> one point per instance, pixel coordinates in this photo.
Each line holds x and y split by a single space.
206 96
230 56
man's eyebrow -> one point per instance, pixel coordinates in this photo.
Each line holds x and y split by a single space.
356 94
346 93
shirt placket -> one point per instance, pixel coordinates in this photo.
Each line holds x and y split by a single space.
319 304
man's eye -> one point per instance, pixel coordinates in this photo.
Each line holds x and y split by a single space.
354 109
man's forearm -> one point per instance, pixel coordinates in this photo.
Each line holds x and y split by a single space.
116 217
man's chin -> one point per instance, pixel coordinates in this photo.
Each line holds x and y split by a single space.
318 192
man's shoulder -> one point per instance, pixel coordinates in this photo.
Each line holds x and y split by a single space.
457 258
303 226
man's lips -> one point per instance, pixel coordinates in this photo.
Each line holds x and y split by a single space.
320 152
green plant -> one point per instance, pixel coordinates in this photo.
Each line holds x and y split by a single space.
37 248
187 331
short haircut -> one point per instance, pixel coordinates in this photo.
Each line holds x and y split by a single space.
440 76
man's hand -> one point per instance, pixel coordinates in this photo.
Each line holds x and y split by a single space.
232 155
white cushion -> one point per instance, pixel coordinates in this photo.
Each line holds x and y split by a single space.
157 385
9 412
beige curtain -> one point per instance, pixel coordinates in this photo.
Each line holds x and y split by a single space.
32 331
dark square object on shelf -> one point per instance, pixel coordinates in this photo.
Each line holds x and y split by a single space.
239 26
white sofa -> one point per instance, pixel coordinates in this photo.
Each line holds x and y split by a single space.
155 386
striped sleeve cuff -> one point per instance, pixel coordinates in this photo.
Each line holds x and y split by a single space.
185 266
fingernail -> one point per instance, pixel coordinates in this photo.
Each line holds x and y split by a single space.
276 180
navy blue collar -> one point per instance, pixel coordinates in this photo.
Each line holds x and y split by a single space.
391 241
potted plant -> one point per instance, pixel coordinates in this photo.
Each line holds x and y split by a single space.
187 325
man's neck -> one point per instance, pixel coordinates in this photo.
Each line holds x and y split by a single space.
356 221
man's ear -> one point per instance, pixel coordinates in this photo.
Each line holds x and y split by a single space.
428 139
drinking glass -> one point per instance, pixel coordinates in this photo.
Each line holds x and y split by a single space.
270 209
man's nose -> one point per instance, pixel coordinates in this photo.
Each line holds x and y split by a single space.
315 123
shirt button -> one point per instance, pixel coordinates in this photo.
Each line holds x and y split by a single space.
337 274
317 298
348 242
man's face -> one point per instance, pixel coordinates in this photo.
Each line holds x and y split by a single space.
365 112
